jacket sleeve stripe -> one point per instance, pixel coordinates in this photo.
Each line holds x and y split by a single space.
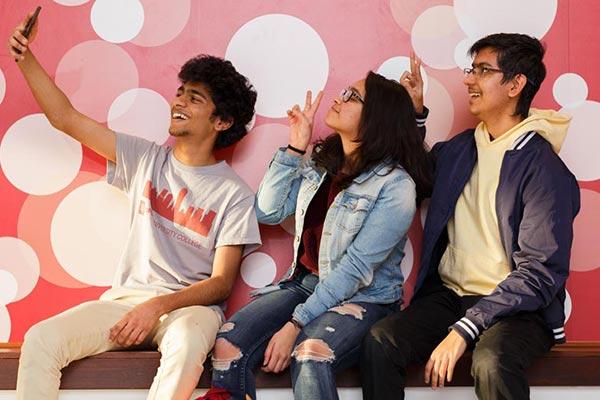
471 325
466 329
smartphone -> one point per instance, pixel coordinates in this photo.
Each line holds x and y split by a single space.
31 22
29 26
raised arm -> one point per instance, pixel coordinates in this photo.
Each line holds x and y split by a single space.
276 197
413 83
53 102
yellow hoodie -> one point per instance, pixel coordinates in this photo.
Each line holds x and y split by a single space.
475 262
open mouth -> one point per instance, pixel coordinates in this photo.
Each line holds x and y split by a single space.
179 116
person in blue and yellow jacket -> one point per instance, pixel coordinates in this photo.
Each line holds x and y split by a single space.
497 239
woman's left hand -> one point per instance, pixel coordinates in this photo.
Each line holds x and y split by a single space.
279 350
413 83
301 121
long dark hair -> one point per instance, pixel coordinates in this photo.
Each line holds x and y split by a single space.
387 132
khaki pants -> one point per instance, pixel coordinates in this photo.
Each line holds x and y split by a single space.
184 337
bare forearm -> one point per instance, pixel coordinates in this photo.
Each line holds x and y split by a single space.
207 292
54 103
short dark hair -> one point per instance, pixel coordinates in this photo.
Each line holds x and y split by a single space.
387 133
233 96
517 54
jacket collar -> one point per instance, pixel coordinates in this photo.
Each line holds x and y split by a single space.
385 165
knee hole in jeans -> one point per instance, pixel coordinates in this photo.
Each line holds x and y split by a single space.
313 350
227 327
224 354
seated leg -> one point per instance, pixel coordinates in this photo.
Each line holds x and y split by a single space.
52 344
184 339
503 353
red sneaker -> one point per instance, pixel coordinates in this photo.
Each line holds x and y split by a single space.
216 394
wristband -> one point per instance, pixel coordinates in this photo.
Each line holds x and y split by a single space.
296 323
297 150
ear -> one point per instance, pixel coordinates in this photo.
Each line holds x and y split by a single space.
223 125
516 85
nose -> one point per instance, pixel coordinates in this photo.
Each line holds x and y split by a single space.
337 100
469 79
178 101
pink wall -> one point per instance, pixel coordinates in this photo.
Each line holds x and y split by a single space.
61 227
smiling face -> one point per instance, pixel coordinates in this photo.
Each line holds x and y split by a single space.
192 113
344 117
488 96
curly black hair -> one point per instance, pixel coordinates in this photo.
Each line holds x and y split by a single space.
234 97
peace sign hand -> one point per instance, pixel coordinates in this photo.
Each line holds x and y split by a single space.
413 83
301 121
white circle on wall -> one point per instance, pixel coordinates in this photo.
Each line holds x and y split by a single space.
441 112
253 153
18 258
163 21
5 325
480 18
117 21
568 305
394 67
461 53
141 112
2 86
37 158
435 35
258 270
71 2
89 231
580 149
570 90
8 287
406 264
98 67
283 57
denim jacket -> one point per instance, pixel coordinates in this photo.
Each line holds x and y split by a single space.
364 231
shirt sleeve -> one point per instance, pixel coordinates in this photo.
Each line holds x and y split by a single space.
132 152
239 226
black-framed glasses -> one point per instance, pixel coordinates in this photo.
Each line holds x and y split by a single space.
349 93
480 70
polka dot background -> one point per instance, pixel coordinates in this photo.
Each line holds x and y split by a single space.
117 60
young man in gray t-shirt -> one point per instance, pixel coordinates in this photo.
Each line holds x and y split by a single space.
191 220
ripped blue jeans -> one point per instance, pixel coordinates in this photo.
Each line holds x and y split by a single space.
327 345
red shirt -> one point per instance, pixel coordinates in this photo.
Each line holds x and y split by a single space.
308 254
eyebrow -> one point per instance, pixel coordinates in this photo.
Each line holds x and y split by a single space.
482 64
355 90
193 91
199 93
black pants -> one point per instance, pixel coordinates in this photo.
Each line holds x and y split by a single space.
500 357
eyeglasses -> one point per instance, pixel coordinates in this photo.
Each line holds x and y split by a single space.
348 93
480 70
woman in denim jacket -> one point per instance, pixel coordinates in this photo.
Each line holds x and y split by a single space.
353 201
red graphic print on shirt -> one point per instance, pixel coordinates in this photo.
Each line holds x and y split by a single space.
192 218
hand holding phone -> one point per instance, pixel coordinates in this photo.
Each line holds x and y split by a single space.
28 27
31 22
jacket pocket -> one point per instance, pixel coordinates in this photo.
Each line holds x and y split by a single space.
353 209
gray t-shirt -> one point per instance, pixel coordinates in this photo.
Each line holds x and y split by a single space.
179 216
